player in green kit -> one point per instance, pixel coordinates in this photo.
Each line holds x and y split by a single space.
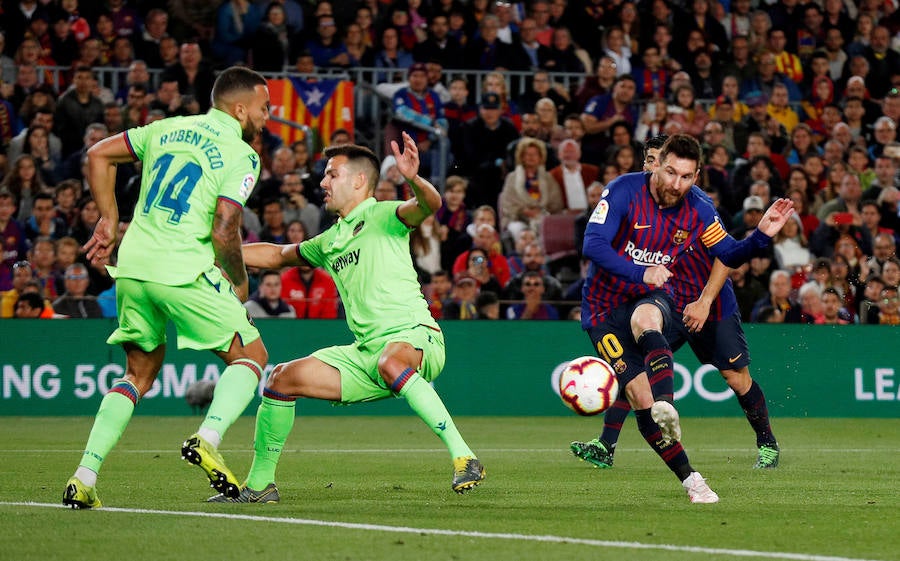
398 347
197 174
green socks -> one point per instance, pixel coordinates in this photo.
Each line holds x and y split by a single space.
235 390
428 406
109 424
274 421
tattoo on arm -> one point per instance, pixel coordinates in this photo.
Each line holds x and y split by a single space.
226 240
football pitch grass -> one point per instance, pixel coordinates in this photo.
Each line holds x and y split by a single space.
378 488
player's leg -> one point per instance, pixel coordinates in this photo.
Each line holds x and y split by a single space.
670 451
647 323
399 366
731 356
142 326
305 377
208 316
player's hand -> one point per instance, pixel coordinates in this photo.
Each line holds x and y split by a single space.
656 275
408 161
695 314
102 242
776 216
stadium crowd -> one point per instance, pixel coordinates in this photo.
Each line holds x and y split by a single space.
789 99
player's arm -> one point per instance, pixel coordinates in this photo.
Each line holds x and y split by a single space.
695 313
602 227
734 253
102 160
264 255
226 241
427 199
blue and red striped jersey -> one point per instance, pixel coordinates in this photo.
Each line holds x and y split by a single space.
628 232
689 276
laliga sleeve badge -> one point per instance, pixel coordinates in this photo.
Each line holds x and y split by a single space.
600 213
247 185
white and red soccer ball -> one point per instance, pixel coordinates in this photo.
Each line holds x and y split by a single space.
588 385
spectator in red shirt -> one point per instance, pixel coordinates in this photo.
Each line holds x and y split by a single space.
311 292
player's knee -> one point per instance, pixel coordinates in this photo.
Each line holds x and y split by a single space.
395 359
646 317
738 380
276 377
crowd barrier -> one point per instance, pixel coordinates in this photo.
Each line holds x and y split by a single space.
64 367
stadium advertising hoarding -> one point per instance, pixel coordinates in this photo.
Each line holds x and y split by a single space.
64 367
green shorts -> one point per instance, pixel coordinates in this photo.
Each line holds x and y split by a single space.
206 313
358 364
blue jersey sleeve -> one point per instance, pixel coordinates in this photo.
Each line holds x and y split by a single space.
605 222
730 251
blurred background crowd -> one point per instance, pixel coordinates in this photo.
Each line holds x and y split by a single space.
523 112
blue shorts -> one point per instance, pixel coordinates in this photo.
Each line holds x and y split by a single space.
720 343
614 343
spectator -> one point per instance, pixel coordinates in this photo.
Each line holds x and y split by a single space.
76 302
458 111
421 111
810 299
572 176
274 228
31 305
890 272
600 83
487 240
77 109
778 296
871 298
24 183
88 215
391 55
884 62
425 244
461 302
486 51
236 25
842 283
529 192
40 116
436 292
534 260
195 79
833 312
70 168
273 43
847 201
484 147
801 207
747 220
889 306
594 194
311 292
43 220
20 274
267 302
533 307
487 305
440 46
296 206
885 248
601 112
358 51
791 253
13 242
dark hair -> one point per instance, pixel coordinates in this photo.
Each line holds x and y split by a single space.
33 300
359 155
41 196
486 298
832 290
656 142
682 146
235 79
268 273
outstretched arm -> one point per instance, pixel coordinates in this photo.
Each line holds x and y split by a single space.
102 160
272 256
427 199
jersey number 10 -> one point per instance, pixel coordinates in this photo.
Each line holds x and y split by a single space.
177 191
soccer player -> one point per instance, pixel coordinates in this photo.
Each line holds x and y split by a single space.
719 341
197 174
398 347
641 226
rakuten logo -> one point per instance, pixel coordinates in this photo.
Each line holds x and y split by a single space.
646 257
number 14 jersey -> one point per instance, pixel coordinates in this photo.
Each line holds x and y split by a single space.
189 163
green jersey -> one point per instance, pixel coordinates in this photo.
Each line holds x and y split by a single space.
367 254
188 164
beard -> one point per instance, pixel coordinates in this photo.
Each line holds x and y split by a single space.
249 132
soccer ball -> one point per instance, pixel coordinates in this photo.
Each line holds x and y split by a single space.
588 385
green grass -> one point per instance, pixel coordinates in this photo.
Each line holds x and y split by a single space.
835 494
